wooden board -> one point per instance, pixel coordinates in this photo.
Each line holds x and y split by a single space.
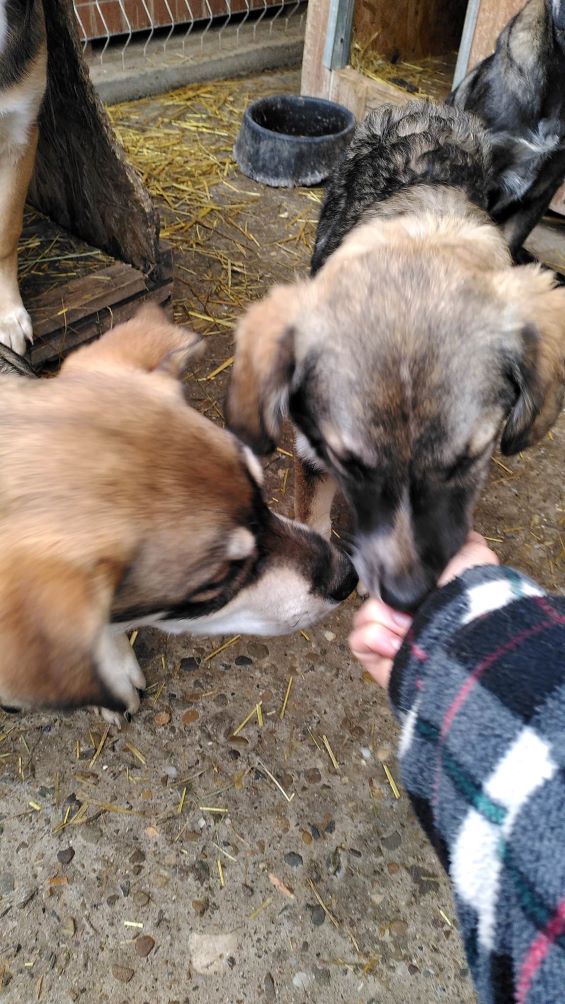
492 16
360 94
316 79
81 309
82 177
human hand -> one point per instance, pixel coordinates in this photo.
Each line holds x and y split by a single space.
378 630
475 551
378 633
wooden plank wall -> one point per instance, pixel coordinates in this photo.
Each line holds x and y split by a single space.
409 29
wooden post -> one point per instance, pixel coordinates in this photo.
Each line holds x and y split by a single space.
316 78
491 19
82 178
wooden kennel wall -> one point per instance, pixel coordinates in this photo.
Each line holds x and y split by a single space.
408 28
84 183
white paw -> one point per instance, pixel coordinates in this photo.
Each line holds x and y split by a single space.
362 590
120 672
112 717
16 329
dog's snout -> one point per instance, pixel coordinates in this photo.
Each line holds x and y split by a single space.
345 578
406 592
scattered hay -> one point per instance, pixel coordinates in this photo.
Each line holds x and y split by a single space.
48 256
182 145
428 78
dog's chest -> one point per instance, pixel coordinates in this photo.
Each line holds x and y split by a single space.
19 106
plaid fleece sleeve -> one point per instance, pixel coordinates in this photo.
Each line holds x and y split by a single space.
479 687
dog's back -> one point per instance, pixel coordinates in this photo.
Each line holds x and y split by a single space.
396 148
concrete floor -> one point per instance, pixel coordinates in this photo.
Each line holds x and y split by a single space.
118 883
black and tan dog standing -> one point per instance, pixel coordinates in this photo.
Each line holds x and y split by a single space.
412 351
23 77
518 92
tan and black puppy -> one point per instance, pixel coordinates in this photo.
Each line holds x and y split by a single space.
119 506
412 351
23 78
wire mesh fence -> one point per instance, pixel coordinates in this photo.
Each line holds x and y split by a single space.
141 25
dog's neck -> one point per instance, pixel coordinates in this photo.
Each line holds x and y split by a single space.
435 214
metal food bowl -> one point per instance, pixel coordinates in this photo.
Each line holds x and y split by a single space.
286 140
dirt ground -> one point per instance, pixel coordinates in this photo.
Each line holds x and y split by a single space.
171 863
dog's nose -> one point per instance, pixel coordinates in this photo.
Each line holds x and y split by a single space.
406 592
345 578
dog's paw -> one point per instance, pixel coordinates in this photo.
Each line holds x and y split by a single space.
15 329
362 590
121 674
112 717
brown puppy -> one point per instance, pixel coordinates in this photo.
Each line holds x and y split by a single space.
401 363
121 505
23 78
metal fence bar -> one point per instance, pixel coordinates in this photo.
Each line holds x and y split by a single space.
466 41
338 38
101 21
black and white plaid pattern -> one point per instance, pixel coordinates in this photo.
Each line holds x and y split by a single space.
479 686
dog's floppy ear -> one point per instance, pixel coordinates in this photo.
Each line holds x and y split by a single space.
264 365
538 369
148 342
51 617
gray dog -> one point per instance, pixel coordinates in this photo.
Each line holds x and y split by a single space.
519 94
412 351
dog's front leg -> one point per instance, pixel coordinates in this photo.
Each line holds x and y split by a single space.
517 225
16 168
314 490
120 672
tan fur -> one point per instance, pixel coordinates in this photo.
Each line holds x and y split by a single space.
534 298
70 525
51 613
258 387
119 501
411 350
148 341
440 218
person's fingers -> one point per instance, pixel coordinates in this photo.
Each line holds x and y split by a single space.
375 611
374 639
474 537
378 667
380 671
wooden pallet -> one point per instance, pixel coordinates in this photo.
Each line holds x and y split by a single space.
81 309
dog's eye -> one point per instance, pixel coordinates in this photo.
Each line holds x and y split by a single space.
350 465
209 589
463 464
